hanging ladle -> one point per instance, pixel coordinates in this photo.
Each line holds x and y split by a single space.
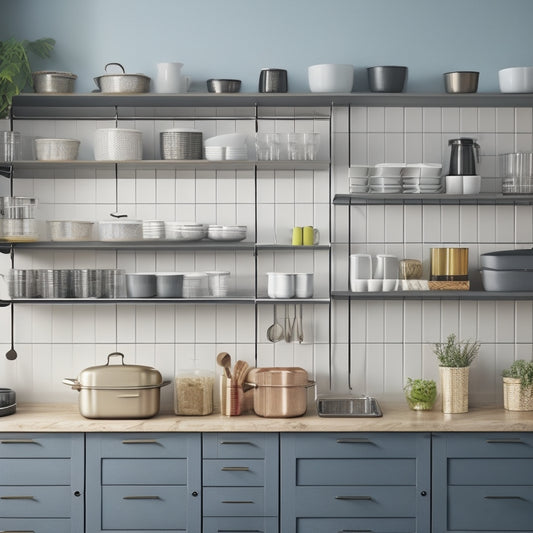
12 353
275 331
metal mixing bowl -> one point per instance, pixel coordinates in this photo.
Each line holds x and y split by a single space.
461 81
223 86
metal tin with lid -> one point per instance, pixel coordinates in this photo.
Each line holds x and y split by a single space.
118 391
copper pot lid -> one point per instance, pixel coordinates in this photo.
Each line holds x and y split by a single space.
279 376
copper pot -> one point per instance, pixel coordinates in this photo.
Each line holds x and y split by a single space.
280 392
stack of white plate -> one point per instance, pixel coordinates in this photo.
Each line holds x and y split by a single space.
230 146
181 143
422 178
236 153
153 229
215 153
185 231
195 284
226 233
386 178
358 178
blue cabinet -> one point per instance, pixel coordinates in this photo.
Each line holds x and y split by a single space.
42 482
240 482
333 482
143 482
482 482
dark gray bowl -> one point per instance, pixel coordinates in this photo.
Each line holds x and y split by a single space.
8 402
388 79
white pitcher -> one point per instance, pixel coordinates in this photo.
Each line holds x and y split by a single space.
169 79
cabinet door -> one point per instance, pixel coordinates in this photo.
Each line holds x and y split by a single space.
355 481
143 482
483 482
42 482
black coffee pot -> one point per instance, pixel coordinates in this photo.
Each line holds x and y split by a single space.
464 157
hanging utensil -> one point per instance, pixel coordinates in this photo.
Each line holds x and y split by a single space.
275 331
299 324
289 323
11 354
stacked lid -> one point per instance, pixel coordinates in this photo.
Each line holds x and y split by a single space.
181 143
153 229
185 231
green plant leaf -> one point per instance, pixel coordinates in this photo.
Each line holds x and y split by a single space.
41 47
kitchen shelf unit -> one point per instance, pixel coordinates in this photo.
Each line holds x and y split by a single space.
433 295
124 108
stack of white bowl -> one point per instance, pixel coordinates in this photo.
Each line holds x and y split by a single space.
231 146
358 178
218 283
195 284
153 229
386 178
185 231
422 178
226 233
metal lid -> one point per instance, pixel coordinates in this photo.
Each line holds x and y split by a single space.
463 140
57 73
276 376
119 376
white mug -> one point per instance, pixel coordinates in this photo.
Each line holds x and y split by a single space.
387 266
471 184
360 268
169 79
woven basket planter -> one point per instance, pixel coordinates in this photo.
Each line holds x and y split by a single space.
454 389
516 398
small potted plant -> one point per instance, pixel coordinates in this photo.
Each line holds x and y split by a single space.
420 394
518 386
455 359
15 70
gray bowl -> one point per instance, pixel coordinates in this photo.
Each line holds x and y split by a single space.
140 285
388 79
461 81
223 86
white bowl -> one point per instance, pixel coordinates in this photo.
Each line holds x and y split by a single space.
516 80
330 78
358 171
422 170
387 169
56 149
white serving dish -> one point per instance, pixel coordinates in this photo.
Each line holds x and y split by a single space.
330 78
516 80
226 233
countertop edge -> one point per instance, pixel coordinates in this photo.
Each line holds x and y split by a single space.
65 418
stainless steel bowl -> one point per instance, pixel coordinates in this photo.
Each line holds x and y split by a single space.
51 81
461 81
122 83
223 86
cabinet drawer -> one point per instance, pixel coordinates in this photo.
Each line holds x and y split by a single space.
238 524
345 445
38 525
139 445
22 445
399 502
239 445
490 508
147 507
232 501
234 473
355 472
35 502
490 471
498 445
26 471
351 525
144 471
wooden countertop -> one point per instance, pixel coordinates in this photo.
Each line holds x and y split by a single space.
42 417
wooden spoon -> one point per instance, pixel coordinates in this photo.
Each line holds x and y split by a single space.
224 360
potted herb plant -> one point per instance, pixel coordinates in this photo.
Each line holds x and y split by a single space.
455 358
15 70
420 394
518 386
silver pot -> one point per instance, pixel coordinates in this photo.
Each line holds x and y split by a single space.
118 391
8 402
52 81
122 83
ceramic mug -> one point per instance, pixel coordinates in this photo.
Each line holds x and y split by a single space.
297 236
311 236
387 266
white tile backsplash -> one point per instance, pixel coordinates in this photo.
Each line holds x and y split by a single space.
390 340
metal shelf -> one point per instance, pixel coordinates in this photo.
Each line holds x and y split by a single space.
290 247
160 164
432 295
433 199
267 300
24 105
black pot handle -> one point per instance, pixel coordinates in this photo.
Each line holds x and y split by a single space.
116 64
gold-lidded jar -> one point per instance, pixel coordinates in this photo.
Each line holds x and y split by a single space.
449 264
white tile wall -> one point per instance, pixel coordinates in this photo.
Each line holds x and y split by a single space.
389 340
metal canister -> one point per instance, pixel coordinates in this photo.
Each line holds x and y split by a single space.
449 264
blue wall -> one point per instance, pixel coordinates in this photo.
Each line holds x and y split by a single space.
236 38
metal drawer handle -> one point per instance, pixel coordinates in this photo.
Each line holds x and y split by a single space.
237 501
353 498
505 441
17 498
235 469
354 441
141 498
17 531
236 531
236 442
140 441
18 441
503 498
355 531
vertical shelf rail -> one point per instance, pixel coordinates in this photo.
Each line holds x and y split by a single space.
349 253
256 309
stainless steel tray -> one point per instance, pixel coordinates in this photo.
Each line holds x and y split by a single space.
348 406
